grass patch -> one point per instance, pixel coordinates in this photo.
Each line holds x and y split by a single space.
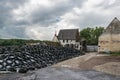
115 53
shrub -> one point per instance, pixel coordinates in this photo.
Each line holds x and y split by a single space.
115 53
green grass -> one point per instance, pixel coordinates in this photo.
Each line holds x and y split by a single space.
115 53
11 42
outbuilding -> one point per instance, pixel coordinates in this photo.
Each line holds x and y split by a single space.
109 41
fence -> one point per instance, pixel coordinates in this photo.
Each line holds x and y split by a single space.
92 48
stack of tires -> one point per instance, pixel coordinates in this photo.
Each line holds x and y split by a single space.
31 57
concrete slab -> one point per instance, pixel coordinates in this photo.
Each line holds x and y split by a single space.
51 73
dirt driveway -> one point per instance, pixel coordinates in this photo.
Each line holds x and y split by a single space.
93 61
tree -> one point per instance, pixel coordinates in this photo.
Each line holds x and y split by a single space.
91 35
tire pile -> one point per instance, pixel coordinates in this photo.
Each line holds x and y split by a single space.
31 57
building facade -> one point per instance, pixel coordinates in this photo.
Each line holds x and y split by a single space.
69 38
110 39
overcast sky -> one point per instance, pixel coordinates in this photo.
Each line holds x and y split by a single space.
39 19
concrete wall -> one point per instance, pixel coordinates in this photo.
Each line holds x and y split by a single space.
115 42
92 48
109 42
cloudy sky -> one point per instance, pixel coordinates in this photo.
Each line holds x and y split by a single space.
39 19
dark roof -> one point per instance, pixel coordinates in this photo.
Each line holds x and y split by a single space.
68 34
113 27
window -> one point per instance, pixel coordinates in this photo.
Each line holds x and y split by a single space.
63 41
77 46
80 43
80 48
67 41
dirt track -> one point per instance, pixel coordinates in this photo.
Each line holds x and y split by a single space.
94 61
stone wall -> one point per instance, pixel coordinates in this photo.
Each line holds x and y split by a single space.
115 42
109 42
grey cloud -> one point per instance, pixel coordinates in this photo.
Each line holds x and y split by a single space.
6 7
19 32
12 3
107 5
46 16
4 15
7 28
13 32
21 23
92 19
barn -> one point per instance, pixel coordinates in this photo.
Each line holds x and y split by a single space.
109 41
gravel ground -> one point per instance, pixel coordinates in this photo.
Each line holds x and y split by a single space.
51 73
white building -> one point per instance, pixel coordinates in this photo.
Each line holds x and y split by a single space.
55 38
70 38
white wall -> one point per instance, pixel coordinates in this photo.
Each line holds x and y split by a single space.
70 42
55 39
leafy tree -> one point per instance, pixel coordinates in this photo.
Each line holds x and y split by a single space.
91 35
